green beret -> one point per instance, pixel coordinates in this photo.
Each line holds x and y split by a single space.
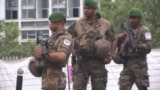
90 3
57 16
135 12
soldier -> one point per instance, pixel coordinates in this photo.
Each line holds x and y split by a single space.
134 61
94 36
59 44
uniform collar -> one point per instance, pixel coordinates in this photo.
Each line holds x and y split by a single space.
55 34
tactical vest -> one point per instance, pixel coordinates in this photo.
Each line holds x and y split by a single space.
93 40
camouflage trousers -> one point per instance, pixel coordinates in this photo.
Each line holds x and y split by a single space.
134 71
54 80
97 72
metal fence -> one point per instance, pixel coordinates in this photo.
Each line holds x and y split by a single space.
8 74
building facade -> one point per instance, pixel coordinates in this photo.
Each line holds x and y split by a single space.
32 15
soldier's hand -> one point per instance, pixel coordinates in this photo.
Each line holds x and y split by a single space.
108 59
127 40
38 51
122 36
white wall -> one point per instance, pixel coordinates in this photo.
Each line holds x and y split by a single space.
2 9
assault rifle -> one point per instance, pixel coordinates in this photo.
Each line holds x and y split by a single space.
43 44
130 35
80 62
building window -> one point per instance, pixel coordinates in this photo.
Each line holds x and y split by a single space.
28 2
34 24
44 13
24 34
14 15
62 10
14 3
42 9
8 14
32 34
28 24
11 14
45 33
59 9
58 1
76 3
45 3
11 3
28 13
42 24
11 9
76 6
69 22
75 12
31 13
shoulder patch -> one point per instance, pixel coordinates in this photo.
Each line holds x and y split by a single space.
147 35
67 42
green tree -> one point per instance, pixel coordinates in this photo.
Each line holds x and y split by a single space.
8 41
9 44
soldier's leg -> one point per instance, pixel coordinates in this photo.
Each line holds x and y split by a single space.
62 82
98 77
126 80
79 83
142 79
142 88
51 79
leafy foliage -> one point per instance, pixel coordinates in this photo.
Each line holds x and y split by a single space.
9 44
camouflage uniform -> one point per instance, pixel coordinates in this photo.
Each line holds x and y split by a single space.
52 76
51 70
93 58
134 63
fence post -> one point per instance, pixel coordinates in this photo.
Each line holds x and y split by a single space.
19 79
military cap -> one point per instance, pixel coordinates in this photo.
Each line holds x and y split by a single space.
57 16
90 3
135 12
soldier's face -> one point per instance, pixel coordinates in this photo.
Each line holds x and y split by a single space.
134 21
52 26
89 12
